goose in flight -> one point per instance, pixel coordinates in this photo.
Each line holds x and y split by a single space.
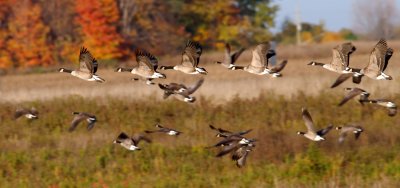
146 68
230 57
356 130
130 143
378 62
87 67
166 130
28 113
340 59
82 116
180 91
259 62
389 104
190 60
311 133
353 92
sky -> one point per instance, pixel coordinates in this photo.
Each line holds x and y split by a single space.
336 14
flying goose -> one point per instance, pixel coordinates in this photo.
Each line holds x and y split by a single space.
28 113
146 68
275 71
81 116
240 155
239 152
230 58
165 130
130 143
259 61
378 62
349 129
190 60
226 133
390 105
353 92
311 133
87 67
340 58
180 91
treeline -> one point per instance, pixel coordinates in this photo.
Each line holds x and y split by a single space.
42 32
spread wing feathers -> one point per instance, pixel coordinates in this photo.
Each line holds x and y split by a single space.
244 132
324 131
260 55
87 63
353 92
75 122
191 54
341 54
192 89
139 137
388 55
279 67
23 111
227 50
341 79
308 120
236 55
377 57
146 60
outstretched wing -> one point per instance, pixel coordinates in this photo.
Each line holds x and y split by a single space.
341 54
388 55
236 55
87 63
341 79
192 89
77 119
324 131
377 57
139 137
279 67
308 120
353 92
146 61
191 54
260 55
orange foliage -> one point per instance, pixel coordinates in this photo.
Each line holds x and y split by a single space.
28 44
98 21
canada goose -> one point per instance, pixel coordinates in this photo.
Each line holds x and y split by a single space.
311 133
180 91
190 60
146 68
347 129
130 143
240 155
390 105
81 116
259 61
230 58
378 62
28 113
226 133
354 92
87 69
165 130
340 58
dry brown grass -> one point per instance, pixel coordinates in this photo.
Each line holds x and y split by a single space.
221 84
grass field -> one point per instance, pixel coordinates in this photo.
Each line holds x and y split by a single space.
43 153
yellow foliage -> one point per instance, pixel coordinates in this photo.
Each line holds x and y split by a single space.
331 37
307 37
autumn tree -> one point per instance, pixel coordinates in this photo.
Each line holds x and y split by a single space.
28 36
98 20
5 14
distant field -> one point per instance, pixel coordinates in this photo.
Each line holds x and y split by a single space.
43 153
220 84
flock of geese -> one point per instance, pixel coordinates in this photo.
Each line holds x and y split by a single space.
234 143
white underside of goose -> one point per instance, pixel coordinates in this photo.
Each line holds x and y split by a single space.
30 116
383 76
172 133
318 138
133 148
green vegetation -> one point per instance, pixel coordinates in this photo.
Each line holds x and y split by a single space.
43 153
